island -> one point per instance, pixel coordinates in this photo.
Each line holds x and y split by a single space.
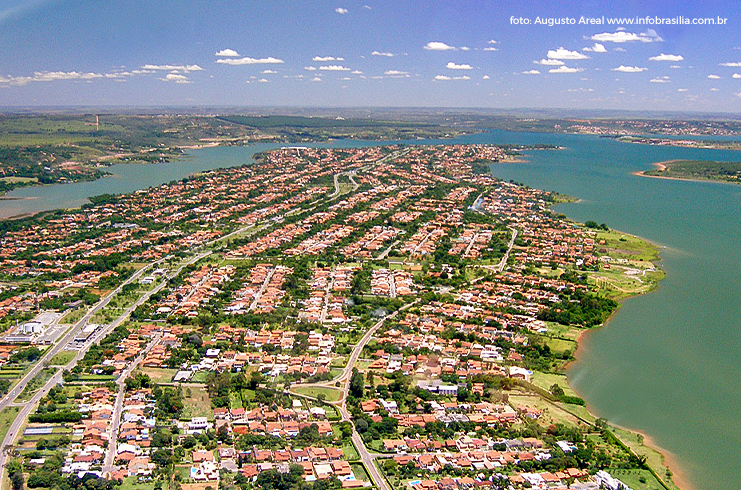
388 316
729 172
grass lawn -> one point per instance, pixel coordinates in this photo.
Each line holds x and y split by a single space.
546 380
197 402
6 418
62 358
654 458
132 483
36 383
235 401
351 454
159 375
331 394
184 472
358 469
97 377
199 377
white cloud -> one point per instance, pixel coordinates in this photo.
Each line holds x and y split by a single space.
323 59
736 75
735 64
629 69
334 68
491 41
250 61
367 7
491 48
715 89
378 53
546 62
565 54
622 36
714 77
356 72
531 72
396 74
52 76
268 72
183 68
597 48
310 68
453 66
227 52
444 78
683 90
438 46
580 90
667 57
620 50
341 11
465 48
485 77
660 80
173 77
316 79
565 69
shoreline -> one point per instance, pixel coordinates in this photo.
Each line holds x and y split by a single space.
679 475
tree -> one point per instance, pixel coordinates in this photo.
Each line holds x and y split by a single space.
356 384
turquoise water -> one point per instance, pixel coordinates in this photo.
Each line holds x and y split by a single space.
666 363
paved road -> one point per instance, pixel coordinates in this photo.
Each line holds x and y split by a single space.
118 407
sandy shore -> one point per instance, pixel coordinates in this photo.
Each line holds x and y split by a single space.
661 166
679 476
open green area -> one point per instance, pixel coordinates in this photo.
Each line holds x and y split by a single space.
159 375
698 169
62 358
36 383
7 416
196 402
330 394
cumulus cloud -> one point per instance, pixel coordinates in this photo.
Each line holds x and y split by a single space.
565 54
565 69
438 46
715 89
660 80
683 90
396 74
250 61
714 77
580 90
622 36
453 66
356 72
334 68
268 72
379 53
736 75
597 48
323 59
183 68
734 63
52 76
491 48
485 77
667 57
546 62
341 11
174 77
310 68
629 69
227 52
531 72
491 41
316 79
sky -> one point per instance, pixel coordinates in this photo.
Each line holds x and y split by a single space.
683 56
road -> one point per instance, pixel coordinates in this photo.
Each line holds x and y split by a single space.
365 456
118 407
30 405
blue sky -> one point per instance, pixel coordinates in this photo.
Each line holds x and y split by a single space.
369 53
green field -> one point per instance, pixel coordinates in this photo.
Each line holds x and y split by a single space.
62 358
197 402
159 375
360 472
7 416
351 454
699 170
332 394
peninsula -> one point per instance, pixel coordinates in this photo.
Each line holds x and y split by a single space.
715 171
388 316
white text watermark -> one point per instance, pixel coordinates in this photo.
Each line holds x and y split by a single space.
648 20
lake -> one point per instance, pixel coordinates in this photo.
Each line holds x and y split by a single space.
666 363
